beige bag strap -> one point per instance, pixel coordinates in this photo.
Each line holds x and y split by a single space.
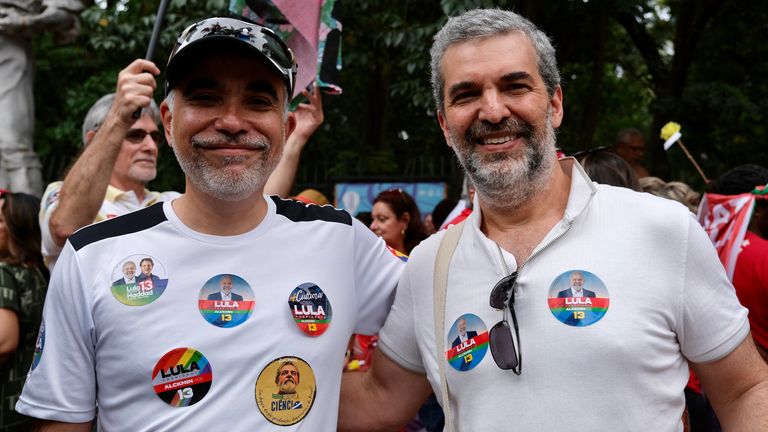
442 262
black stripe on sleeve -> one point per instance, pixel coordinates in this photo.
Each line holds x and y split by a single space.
300 212
121 225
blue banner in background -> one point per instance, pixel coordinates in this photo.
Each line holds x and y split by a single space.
358 197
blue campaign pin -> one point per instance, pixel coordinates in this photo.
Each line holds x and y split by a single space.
311 309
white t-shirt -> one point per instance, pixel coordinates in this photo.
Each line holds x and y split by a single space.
116 203
103 340
613 362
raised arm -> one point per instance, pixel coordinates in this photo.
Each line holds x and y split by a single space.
309 116
86 183
737 386
9 333
383 398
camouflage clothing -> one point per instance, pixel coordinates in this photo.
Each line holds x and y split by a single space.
22 290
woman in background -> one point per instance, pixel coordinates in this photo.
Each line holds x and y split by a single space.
397 220
23 279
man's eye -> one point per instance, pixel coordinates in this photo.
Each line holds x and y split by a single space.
260 102
201 98
461 97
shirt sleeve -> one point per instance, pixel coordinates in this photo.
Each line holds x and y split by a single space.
397 339
48 204
376 273
62 385
713 322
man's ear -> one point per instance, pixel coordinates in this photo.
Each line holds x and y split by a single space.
556 104
441 121
89 136
290 124
167 116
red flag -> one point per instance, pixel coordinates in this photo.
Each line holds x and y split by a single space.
725 218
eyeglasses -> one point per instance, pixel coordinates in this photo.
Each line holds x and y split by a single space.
396 192
500 338
136 136
263 39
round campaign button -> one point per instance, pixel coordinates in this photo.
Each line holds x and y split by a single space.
310 308
182 377
285 390
226 300
138 280
468 342
578 298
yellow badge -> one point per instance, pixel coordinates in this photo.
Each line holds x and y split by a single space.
285 390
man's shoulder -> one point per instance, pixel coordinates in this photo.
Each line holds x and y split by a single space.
297 211
139 220
642 208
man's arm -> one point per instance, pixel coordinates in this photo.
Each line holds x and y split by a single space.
308 118
737 386
86 183
383 398
9 333
52 426
763 353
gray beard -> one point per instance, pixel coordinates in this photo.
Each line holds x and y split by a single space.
506 180
222 183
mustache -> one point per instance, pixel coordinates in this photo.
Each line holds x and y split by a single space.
222 140
511 125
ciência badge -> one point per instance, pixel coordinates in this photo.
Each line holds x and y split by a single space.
285 390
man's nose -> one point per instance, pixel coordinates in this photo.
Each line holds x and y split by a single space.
230 121
493 108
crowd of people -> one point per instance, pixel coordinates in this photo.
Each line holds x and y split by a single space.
174 305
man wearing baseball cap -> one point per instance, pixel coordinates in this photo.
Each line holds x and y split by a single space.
157 354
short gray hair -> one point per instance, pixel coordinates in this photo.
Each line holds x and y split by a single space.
99 110
482 23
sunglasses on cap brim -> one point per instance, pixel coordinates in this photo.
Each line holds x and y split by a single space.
263 39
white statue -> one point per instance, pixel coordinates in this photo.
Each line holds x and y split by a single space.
20 21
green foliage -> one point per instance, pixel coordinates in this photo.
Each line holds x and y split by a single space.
384 124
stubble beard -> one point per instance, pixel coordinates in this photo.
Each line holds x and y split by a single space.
508 179
142 175
225 183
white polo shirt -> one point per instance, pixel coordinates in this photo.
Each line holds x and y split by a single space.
615 362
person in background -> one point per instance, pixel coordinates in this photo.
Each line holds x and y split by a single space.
463 207
630 145
440 213
312 196
674 190
22 291
750 276
606 167
397 220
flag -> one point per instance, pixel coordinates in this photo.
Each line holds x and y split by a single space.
725 218
311 28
